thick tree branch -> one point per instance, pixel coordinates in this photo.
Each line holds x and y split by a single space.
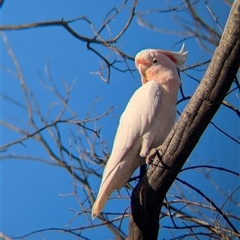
148 196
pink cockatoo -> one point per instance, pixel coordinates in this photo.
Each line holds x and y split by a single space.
146 121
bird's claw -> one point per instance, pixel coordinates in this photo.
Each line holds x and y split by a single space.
151 156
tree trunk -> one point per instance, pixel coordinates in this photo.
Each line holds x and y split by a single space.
147 198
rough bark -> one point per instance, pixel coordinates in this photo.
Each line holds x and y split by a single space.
148 196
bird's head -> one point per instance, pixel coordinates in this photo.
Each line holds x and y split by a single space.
153 58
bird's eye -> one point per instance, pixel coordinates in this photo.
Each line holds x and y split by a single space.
155 60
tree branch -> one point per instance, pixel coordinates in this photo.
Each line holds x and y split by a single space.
148 196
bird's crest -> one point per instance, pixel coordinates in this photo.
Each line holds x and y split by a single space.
178 57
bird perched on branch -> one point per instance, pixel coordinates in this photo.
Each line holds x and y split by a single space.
146 121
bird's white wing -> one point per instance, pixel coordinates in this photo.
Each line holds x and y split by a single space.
137 117
135 121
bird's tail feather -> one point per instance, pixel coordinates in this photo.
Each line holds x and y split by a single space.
114 178
99 204
110 182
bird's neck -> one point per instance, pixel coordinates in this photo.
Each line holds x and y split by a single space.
170 89
167 77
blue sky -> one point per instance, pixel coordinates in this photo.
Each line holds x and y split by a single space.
31 192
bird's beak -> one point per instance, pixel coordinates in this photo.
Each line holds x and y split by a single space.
142 70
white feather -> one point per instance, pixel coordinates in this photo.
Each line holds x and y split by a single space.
180 56
135 123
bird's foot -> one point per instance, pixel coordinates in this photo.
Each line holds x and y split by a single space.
151 156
